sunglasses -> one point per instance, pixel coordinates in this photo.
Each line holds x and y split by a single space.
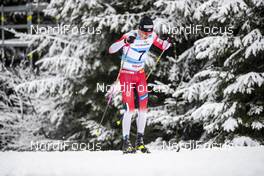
145 33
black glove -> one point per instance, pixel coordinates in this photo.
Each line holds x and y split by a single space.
130 39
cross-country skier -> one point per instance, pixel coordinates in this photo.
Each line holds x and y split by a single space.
135 45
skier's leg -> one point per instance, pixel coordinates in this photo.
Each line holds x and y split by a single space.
141 121
128 100
126 123
127 146
142 118
143 102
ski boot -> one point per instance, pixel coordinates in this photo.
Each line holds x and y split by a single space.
127 146
140 144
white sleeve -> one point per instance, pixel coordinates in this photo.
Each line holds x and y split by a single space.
120 43
116 46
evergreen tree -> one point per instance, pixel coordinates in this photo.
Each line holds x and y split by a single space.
219 78
211 84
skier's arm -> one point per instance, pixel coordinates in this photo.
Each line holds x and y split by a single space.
117 45
125 40
161 44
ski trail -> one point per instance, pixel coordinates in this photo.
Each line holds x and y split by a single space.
201 162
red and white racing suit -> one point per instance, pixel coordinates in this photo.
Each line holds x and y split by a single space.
132 75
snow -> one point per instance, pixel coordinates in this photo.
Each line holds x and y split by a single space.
254 40
230 124
210 47
257 125
255 109
226 6
219 9
255 48
172 6
251 37
40 87
244 83
15 42
60 92
244 141
199 91
97 130
208 109
237 161
258 3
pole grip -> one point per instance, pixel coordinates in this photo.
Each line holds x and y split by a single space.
158 59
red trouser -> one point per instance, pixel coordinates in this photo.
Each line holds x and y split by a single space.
130 80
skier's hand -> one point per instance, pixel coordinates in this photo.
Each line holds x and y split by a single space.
166 44
130 39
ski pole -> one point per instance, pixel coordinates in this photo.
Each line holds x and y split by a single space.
157 61
111 95
109 101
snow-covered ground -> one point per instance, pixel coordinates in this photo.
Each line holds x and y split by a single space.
200 162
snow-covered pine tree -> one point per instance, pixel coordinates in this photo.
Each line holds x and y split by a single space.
221 76
215 85
71 65
18 123
66 66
